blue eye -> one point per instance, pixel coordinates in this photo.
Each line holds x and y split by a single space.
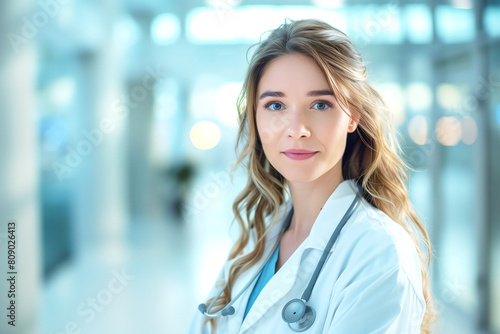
322 105
274 106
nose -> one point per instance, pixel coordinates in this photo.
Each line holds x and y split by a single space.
298 126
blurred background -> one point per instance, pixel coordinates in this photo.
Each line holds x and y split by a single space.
117 133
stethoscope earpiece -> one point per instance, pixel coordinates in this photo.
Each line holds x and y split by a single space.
227 311
202 307
298 315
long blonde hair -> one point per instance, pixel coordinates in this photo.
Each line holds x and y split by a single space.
372 154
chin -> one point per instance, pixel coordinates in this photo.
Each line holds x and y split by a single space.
299 176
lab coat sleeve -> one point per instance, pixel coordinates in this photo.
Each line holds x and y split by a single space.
195 325
379 302
198 317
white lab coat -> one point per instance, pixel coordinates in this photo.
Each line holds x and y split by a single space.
371 283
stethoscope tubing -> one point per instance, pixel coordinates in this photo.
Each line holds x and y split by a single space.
308 291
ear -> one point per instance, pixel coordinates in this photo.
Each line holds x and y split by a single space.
353 122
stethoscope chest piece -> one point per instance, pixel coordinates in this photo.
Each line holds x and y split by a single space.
298 315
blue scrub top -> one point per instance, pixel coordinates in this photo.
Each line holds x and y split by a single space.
265 276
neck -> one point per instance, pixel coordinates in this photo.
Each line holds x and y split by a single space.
308 199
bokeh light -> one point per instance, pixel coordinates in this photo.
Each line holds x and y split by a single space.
448 130
455 24
448 96
418 129
225 103
126 31
419 23
205 135
165 29
418 96
393 96
61 92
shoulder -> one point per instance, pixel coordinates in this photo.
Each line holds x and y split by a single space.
374 244
378 287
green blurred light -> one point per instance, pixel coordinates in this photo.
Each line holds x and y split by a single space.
165 29
418 18
455 25
491 20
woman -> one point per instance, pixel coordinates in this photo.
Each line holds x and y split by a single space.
324 171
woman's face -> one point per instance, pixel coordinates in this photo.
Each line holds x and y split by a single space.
295 110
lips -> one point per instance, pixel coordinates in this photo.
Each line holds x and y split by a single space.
299 154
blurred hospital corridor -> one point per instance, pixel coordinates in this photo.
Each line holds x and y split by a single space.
118 125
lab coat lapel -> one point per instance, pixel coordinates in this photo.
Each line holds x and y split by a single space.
330 215
274 290
283 281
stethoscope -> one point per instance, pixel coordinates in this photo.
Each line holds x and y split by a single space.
299 316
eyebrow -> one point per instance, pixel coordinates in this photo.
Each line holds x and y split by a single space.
311 93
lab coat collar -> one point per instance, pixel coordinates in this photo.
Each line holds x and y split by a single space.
328 218
274 291
330 215
326 222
